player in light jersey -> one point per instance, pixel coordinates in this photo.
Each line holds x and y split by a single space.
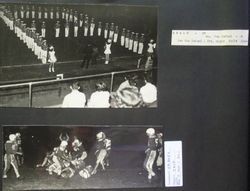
150 152
101 152
11 148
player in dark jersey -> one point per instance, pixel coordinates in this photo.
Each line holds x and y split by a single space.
47 161
11 149
150 152
20 158
60 157
78 154
159 151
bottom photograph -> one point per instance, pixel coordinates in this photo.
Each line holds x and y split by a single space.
82 157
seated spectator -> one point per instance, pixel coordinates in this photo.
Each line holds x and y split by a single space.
149 94
75 98
101 97
127 95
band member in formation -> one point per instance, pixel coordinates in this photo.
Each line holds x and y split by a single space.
44 52
57 29
111 31
75 28
135 47
11 150
45 13
123 37
131 41
99 28
141 44
22 12
51 59
92 26
106 30
39 14
75 16
63 13
107 51
27 12
66 32
43 29
33 37
57 13
36 39
67 15
150 152
127 36
39 45
33 12
81 20
116 34
52 13
86 27
71 15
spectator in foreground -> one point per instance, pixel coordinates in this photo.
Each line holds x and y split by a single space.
101 97
127 95
75 98
149 94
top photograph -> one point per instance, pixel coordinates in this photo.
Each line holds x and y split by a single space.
78 56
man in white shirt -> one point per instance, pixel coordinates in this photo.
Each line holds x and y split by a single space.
75 98
149 94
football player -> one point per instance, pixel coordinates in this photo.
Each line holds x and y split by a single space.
100 152
159 151
47 161
78 154
150 152
59 158
19 157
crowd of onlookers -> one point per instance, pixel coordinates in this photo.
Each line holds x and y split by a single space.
133 92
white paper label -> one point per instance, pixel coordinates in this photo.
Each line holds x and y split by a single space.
209 38
173 163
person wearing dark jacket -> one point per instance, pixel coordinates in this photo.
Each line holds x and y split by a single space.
87 56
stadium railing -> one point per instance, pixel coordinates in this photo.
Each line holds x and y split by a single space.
31 85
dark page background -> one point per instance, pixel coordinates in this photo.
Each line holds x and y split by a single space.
203 96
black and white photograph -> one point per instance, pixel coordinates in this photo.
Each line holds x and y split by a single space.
82 157
78 55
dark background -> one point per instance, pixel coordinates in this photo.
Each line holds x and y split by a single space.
128 143
203 96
